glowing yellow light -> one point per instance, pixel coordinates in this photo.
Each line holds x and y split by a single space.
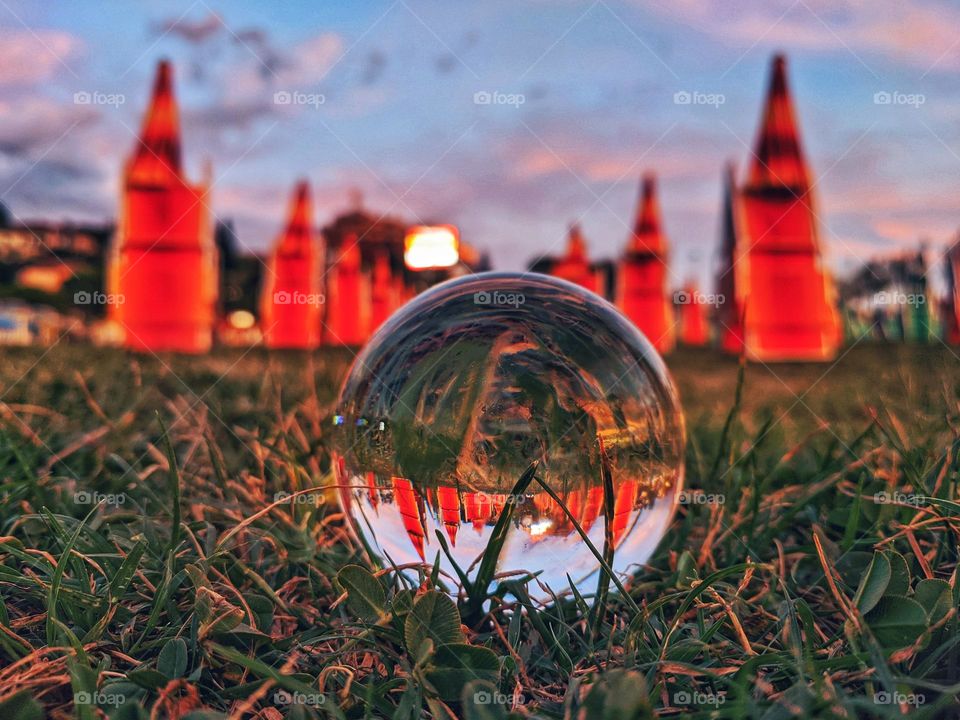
540 527
242 319
431 247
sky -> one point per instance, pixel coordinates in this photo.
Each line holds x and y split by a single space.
511 119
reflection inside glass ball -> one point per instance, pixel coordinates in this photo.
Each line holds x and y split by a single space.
464 387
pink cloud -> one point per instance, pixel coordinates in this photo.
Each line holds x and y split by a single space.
922 33
31 56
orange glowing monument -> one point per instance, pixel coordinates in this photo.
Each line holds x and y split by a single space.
291 297
693 321
349 311
164 261
574 266
729 315
642 284
785 293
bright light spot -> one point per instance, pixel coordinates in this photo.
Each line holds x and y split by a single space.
241 319
539 528
431 247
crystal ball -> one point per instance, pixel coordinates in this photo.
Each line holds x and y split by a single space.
472 381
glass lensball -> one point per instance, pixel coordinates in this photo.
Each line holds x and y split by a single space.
473 380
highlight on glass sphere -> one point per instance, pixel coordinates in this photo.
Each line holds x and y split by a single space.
475 379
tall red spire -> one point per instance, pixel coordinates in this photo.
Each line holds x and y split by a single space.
778 157
786 295
576 245
157 153
163 263
291 299
299 235
642 281
647 232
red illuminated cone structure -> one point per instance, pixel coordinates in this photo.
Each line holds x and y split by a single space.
349 312
291 295
163 265
642 285
786 294
574 266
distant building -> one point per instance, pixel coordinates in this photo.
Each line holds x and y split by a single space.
43 256
23 325
642 281
785 291
292 295
574 265
367 278
164 264
729 314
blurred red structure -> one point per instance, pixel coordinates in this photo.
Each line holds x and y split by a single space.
454 508
349 300
642 285
291 297
786 294
574 266
410 505
164 262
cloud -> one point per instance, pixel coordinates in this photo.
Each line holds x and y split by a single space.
244 89
921 33
374 65
192 31
33 124
34 56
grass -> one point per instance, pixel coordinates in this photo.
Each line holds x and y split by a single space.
156 561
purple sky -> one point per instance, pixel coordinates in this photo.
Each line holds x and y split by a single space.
582 102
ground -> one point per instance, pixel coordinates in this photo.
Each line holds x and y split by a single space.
153 564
